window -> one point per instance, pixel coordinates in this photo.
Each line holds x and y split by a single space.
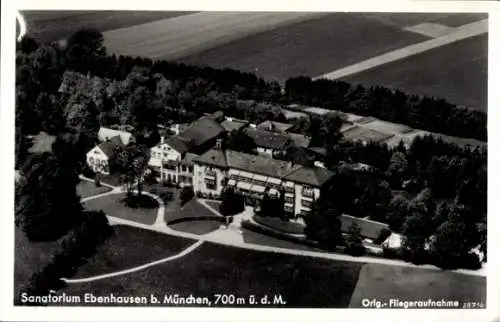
288 199
91 160
305 212
190 169
289 189
307 192
306 203
288 209
211 184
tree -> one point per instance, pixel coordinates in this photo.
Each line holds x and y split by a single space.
131 163
354 241
187 193
47 204
85 51
451 244
323 226
417 228
27 45
398 169
397 212
238 140
232 203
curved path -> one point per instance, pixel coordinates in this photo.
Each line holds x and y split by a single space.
135 269
22 25
232 237
463 32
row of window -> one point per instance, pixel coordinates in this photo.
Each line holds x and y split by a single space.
211 184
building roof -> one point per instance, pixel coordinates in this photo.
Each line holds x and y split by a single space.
265 166
358 133
213 157
179 144
112 146
319 150
269 140
300 140
217 116
202 130
259 164
230 124
274 126
315 177
107 133
188 159
369 229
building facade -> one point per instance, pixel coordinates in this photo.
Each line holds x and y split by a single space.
254 176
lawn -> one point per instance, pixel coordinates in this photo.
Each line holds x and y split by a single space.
207 222
456 72
45 26
312 47
130 247
86 189
30 257
114 205
214 269
385 282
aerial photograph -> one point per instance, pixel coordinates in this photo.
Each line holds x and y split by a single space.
251 159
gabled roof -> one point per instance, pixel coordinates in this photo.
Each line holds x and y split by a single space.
188 159
213 157
315 177
202 130
369 229
179 144
111 147
300 140
259 164
274 126
107 133
233 124
270 140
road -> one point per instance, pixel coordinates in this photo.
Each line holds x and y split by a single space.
232 237
466 31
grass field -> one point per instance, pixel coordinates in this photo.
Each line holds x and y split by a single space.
184 35
45 26
86 189
30 257
411 19
114 205
312 47
456 72
148 246
385 282
214 269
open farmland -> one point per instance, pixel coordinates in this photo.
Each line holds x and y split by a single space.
312 47
411 19
181 36
45 26
456 72
385 282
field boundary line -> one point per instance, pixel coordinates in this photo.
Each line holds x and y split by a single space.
467 31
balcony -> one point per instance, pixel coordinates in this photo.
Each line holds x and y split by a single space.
211 174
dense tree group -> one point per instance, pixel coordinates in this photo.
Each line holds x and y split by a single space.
435 115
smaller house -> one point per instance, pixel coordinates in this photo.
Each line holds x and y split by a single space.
273 126
370 230
100 156
229 124
107 133
269 143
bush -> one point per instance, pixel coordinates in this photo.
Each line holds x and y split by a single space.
279 224
88 172
97 180
187 193
232 203
384 234
140 201
355 249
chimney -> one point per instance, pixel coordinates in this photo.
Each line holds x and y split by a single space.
218 144
162 139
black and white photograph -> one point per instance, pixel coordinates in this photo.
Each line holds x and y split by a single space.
249 160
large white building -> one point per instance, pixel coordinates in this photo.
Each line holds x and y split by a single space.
255 175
